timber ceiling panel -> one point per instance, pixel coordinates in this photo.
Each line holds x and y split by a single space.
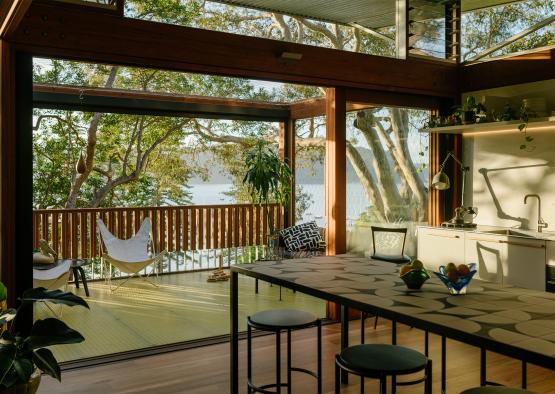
373 14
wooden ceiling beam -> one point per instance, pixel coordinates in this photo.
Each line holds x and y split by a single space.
311 108
532 66
98 37
381 99
132 101
12 13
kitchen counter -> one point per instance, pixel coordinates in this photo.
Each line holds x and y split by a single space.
483 229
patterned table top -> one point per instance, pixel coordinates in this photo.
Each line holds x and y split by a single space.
512 321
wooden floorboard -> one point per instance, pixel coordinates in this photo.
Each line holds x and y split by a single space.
206 370
184 307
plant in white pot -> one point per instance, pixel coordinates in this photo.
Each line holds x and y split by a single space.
268 178
24 357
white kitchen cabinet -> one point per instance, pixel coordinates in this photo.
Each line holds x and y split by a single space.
489 253
550 253
525 263
550 261
440 246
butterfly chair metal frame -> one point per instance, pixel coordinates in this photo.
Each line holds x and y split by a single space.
129 256
44 278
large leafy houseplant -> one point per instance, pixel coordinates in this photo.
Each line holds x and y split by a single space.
268 178
22 355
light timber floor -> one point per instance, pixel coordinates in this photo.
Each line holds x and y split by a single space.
206 370
184 307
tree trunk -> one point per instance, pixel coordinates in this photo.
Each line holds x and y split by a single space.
387 188
79 179
400 126
366 180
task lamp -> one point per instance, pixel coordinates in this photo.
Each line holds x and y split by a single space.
440 181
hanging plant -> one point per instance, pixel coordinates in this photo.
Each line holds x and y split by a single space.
525 115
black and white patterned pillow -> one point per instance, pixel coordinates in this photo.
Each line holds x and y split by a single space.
305 236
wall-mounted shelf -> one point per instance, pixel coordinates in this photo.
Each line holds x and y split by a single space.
489 127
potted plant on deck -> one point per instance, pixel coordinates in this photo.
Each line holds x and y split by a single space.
268 178
24 357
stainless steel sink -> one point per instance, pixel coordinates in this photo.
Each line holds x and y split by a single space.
513 233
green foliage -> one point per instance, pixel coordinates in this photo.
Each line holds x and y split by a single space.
267 176
487 27
20 354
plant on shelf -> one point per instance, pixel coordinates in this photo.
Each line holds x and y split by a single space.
524 116
470 111
268 178
24 356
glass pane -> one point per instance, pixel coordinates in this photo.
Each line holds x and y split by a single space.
340 25
185 174
309 164
487 27
427 28
387 175
65 72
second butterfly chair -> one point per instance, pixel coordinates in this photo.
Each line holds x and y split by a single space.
51 278
129 256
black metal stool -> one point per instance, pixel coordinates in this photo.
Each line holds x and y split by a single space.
279 320
496 390
378 361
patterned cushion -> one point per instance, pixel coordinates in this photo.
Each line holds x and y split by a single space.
305 236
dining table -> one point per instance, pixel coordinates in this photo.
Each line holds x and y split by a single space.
515 322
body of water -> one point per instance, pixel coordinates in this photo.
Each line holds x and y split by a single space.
210 193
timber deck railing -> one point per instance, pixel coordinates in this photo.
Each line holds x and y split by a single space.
196 236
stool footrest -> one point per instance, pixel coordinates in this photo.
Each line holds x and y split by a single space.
262 389
410 382
302 370
488 383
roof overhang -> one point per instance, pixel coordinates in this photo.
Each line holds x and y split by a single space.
372 14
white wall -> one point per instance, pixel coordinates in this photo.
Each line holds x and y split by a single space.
512 173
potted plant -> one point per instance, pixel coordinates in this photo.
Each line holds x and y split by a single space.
267 177
471 111
24 357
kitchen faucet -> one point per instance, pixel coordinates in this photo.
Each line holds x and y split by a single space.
541 223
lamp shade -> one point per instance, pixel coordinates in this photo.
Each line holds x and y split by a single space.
440 181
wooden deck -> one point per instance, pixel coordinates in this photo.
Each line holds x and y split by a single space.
205 370
184 307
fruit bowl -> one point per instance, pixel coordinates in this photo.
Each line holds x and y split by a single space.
414 279
459 285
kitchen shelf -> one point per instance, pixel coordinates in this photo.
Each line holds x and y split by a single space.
489 127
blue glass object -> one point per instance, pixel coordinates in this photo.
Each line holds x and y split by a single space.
414 279
458 287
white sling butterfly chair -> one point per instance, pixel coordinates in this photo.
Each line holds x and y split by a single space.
129 256
52 279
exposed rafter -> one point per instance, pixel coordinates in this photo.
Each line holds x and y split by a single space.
11 14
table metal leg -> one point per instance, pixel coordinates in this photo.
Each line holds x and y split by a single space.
483 366
443 364
83 280
524 377
234 339
344 338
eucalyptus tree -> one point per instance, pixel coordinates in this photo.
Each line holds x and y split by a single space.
138 159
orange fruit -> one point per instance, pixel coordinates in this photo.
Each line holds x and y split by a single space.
453 276
463 270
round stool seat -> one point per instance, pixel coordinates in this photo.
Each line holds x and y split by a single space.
377 359
283 319
496 390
